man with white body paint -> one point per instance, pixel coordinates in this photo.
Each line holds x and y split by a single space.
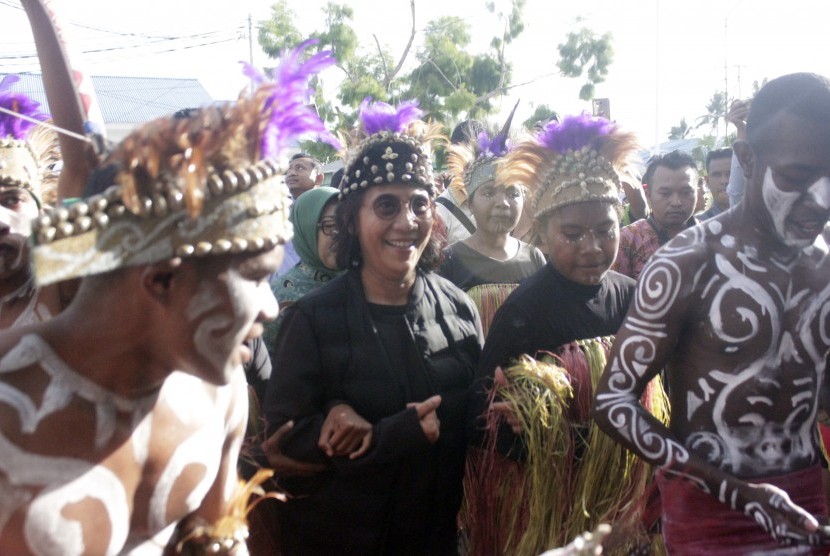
736 310
26 181
121 419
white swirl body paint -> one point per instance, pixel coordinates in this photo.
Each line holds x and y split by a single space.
56 500
765 324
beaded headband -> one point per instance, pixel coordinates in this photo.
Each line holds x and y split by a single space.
395 149
204 184
575 161
472 166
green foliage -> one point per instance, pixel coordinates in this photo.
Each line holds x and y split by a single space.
680 131
586 52
540 116
756 85
278 33
715 111
339 35
449 81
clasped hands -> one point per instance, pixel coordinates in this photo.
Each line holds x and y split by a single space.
345 434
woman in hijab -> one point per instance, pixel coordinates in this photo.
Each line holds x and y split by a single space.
312 216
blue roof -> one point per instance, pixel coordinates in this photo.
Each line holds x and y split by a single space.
129 99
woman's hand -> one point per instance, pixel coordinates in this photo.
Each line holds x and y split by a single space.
283 465
429 419
345 433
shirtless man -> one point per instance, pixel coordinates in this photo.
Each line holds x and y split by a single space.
736 311
123 416
24 178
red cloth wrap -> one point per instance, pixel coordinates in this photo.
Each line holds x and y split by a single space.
695 522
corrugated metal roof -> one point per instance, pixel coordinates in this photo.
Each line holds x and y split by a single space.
129 99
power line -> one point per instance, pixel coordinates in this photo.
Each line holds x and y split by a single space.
219 40
16 6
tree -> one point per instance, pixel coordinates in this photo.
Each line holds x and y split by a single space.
449 81
715 111
585 51
541 115
680 131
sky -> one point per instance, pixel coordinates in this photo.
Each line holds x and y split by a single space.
669 56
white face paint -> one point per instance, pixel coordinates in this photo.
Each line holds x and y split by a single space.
19 221
219 335
780 204
17 210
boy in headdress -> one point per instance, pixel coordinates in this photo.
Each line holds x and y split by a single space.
572 167
123 416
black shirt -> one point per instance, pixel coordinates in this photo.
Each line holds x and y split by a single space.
548 310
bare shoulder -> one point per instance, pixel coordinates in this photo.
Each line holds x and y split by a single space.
196 401
10 338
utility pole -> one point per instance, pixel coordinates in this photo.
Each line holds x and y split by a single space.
725 79
250 48
656 73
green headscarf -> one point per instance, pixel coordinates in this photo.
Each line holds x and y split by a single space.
305 214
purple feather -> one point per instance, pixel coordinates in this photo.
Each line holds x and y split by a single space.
292 117
12 126
573 132
252 73
379 116
495 147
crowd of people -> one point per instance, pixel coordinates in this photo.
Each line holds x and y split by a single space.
350 345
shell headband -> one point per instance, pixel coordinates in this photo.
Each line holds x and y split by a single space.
471 166
395 149
199 185
573 161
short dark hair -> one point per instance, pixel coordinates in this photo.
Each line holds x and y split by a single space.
336 178
674 160
717 154
467 132
347 244
317 164
803 94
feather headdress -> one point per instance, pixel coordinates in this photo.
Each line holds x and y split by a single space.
204 183
28 153
473 165
572 161
392 145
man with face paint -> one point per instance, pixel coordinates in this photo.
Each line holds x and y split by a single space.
28 154
121 419
736 310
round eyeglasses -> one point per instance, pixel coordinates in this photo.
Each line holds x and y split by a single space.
388 206
328 226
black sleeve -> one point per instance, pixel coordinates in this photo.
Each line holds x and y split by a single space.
258 369
510 335
298 391
508 338
295 390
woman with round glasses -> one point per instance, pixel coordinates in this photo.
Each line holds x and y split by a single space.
374 368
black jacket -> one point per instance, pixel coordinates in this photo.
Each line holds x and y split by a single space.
403 495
